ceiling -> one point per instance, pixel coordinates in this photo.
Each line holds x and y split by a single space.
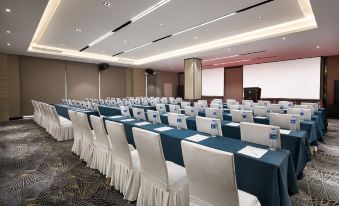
268 31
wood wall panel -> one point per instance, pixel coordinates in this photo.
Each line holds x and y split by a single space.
4 114
233 86
138 82
113 82
332 74
13 69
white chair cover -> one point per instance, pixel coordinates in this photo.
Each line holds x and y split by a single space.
276 108
284 120
214 113
286 104
172 120
204 125
191 111
61 128
203 102
264 103
306 107
125 175
184 104
139 112
161 108
150 114
77 136
261 111
208 184
297 111
242 116
125 111
174 109
258 133
88 137
163 183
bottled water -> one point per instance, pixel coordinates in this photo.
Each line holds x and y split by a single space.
302 115
268 112
178 122
244 116
138 115
214 128
273 139
214 114
289 105
125 112
281 109
154 117
292 123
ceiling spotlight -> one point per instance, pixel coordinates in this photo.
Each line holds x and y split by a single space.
284 38
8 44
259 18
107 4
78 30
318 47
8 10
8 31
161 24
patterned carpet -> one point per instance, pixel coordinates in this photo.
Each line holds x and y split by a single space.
37 170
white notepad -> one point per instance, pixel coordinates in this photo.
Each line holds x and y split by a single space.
285 131
165 114
162 129
142 123
253 151
233 124
197 138
115 117
127 120
259 117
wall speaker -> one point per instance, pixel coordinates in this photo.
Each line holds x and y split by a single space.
149 71
103 66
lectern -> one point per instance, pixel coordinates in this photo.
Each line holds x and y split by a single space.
252 93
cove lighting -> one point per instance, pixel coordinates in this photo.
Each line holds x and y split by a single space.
149 10
207 60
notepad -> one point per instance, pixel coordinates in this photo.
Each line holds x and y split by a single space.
285 131
162 129
233 124
127 120
115 117
142 123
197 138
253 151
259 117
164 114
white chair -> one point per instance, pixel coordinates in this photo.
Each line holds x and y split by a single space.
246 101
125 111
286 104
174 109
264 103
163 183
216 105
231 102
184 104
217 100
258 133
172 120
242 116
61 128
306 107
284 120
315 105
191 111
139 113
248 105
235 107
125 175
88 138
261 111
173 101
102 151
214 113
77 135
203 102
151 115
154 102
208 184
163 100
276 108
204 125
161 108
200 106
299 111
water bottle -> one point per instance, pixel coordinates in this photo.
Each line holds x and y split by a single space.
268 112
289 105
281 109
244 116
214 113
273 139
302 114
178 122
154 117
161 109
292 123
214 129
138 115
125 112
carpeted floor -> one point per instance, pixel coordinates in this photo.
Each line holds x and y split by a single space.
37 170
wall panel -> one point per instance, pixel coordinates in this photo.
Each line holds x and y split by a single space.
113 82
233 83
3 88
138 82
13 69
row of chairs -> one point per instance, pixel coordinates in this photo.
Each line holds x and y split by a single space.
46 116
144 175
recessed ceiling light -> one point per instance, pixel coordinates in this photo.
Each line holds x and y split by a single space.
8 10
8 44
78 30
318 47
260 18
195 37
125 41
284 38
161 24
8 31
107 4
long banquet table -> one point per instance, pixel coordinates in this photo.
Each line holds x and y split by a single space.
271 178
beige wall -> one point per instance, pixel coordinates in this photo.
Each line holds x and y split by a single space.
138 82
113 82
156 84
41 80
82 80
3 88
13 69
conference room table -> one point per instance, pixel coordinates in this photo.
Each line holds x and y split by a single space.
271 177
296 141
112 111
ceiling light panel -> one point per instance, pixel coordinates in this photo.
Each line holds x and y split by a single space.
148 29
92 17
224 28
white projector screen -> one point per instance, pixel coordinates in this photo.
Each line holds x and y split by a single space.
212 82
294 79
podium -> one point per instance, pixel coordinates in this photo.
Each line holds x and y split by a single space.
252 93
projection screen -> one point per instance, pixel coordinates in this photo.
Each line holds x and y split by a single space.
213 82
297 79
